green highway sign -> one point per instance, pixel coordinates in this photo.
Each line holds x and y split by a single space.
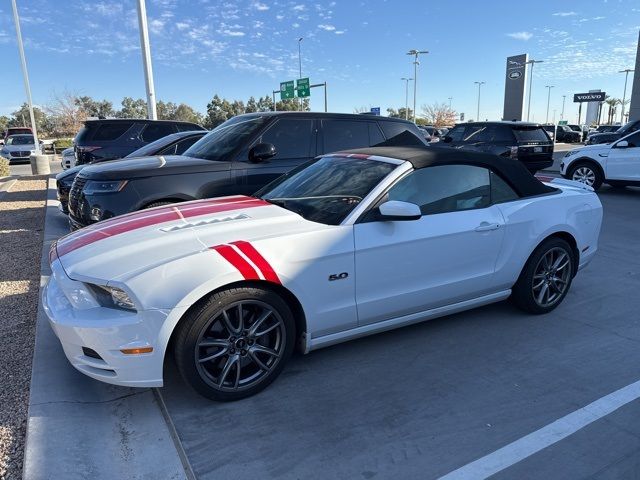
302 85
287 90
563 122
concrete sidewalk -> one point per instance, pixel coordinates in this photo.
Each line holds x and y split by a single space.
79 428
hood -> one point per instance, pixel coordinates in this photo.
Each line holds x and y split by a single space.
124 246
19 148
145 166
69 174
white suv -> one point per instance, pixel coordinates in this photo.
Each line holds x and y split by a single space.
617 163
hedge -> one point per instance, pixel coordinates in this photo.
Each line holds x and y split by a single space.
63 143
4 167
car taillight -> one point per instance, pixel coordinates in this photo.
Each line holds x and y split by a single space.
514 152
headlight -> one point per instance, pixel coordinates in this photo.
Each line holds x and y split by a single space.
93 187
113 297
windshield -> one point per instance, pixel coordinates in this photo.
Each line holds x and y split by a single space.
327 189
20 140
225 138
153 147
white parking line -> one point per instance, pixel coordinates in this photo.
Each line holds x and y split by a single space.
554 432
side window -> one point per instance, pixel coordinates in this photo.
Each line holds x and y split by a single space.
154 131
111 131
446 188
182 145
634 140
375 135
456 133
292 137
170 150
344 135
501 191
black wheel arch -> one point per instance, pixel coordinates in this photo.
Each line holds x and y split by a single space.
585 161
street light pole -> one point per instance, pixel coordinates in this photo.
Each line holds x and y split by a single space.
532 63
478 112
450 98
416 54
624 95
25 76
406 97
564 97
548 87
300 66
146 60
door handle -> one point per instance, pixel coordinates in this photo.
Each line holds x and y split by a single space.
486 227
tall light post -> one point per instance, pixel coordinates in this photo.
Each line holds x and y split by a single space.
478 113
624 95
415 54
450 98
406 97
146 60
548 87
25 76
532 63
564 97
300 66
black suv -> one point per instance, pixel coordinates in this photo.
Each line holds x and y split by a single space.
527 142
609 137
238 157
566 134
101 140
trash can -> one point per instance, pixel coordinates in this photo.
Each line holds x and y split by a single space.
40 164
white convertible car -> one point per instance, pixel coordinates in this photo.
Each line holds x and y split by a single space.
616 163
348 245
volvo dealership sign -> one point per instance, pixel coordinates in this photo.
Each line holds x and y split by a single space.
514 87
589 97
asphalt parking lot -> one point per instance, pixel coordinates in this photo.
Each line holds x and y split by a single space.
428 399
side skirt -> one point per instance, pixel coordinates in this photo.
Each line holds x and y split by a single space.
363 331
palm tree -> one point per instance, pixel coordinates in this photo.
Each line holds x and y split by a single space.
612 102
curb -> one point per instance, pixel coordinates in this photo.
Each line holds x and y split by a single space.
79 428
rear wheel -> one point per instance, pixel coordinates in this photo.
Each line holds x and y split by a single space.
546 277
236 343
586 173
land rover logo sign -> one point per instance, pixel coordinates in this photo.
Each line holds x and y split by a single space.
589 97
515 75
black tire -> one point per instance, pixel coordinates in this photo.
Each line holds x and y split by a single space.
158 204
524 293
580 166
207 323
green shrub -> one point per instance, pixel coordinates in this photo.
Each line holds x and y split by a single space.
63 143
4 167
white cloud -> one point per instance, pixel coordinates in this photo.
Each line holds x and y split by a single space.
339 32
156 25
232 33
328 28
299 8
564 14
260 6
182 25
520 35
104 8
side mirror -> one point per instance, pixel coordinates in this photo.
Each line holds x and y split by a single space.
622 144
397 210
447 139
261 152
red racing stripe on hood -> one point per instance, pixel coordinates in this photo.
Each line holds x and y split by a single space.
235 259
258 260
146 218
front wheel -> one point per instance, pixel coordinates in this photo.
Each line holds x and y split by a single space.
587 174
546 277
236 343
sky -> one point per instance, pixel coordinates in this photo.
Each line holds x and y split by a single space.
239 48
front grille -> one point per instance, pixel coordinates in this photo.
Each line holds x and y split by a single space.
21 154
76 192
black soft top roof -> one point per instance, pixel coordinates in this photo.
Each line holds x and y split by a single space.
512 171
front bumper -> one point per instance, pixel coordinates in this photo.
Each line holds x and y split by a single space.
106 331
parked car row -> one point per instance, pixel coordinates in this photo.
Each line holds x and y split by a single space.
238 157
613 135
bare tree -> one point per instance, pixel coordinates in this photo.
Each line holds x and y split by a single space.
65 115
438 114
